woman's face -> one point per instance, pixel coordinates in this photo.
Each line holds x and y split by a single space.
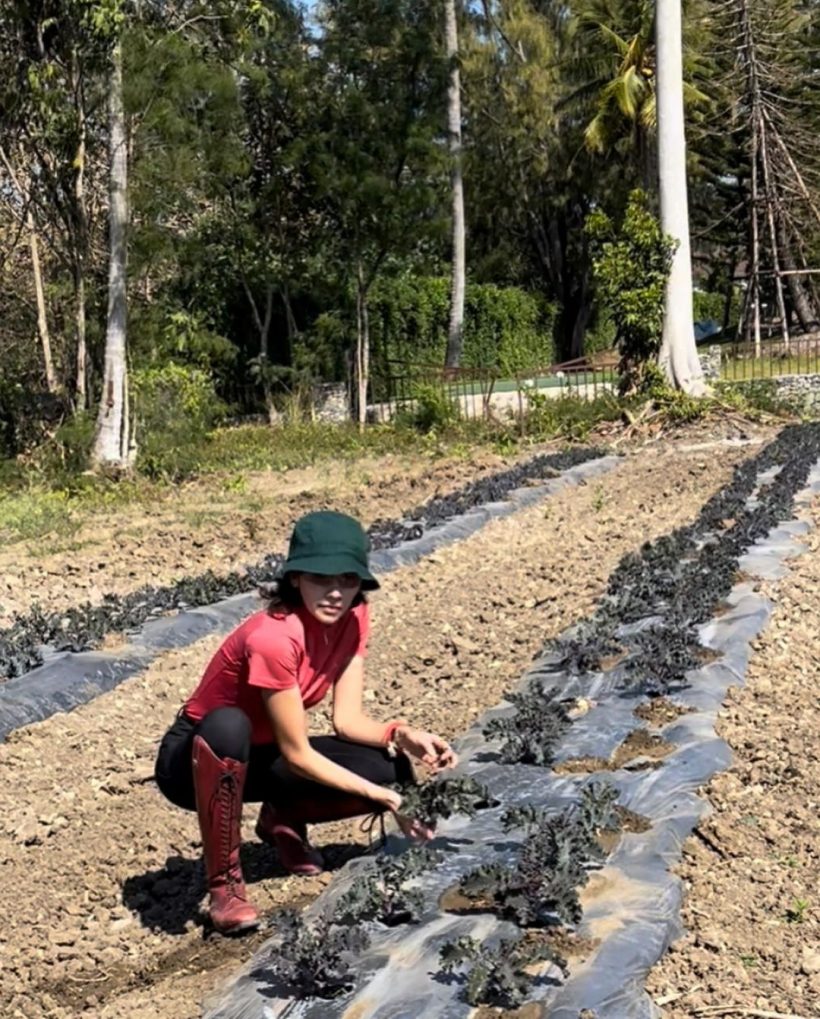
327 598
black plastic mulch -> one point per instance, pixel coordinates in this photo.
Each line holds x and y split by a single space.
85 626
679 580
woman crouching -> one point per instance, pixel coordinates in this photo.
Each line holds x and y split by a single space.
242 735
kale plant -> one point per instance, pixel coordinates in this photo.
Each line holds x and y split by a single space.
441 799
497 976
553 862
315 958
591 643
381 894
665 653
532 733
598 812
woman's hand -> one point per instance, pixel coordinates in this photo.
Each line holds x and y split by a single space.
414 829
410 826
385 797
430 749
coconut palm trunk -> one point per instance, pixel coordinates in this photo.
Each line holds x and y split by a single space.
678 356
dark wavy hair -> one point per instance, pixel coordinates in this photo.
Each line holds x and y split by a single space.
282 596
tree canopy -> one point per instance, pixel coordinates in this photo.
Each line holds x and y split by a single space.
284 159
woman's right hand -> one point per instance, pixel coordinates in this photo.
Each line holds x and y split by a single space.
410 826
385 797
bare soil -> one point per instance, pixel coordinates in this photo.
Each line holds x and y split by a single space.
101 884
630 822
208 524
641 749
660 711
752 872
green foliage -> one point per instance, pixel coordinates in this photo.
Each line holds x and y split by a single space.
569 417
380 894
631 266
158 335
601 336
553 862
531 733
443 798
315 959
432 409
760 394
506 329
498 976
707 306
174 407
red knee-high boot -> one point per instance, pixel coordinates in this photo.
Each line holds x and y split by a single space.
285 828
218 783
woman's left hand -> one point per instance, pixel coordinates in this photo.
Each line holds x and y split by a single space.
430 749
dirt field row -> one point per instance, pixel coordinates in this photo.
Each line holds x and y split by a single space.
208 524
753 873
101 882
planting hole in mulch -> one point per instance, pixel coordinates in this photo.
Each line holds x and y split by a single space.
453 900
581 766
630 823
566 942
612 661
641 746
660 711
707 655
641 743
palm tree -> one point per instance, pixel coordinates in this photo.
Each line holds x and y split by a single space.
678 356
616 55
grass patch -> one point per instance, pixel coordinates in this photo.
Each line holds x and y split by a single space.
47 494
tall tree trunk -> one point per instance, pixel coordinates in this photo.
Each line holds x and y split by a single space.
52 383
264 356
81 245
112 446
770 216
362 364
678 355
458 280
42 319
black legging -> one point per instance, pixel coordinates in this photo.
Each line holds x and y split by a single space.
228 733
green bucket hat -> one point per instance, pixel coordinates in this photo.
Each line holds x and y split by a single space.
330 543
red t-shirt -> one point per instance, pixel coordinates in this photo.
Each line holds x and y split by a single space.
278 652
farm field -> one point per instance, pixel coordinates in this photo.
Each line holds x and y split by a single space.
111 871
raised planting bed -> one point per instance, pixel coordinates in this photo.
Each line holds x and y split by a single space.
557 892
55 661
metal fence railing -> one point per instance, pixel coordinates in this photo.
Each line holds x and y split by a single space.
771 358
400 388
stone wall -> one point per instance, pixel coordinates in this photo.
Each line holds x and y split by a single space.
710 361
799 391
330 402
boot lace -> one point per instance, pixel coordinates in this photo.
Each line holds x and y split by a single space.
226 795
